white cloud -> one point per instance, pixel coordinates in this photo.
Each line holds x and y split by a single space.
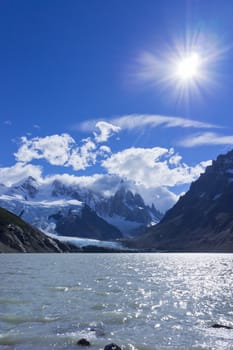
137 121
175 159
84 156
18 172
104 151
152 167
87 148
61 150
105 130
207 138
55 149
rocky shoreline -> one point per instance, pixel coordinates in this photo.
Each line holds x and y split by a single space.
112 346
85 342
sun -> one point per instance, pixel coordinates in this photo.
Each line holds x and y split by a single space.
185 68
188 68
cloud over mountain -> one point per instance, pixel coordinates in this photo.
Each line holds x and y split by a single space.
152 167
60 150
154 172
56 149
18 172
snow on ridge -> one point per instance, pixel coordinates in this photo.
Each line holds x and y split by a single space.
59 202
7 197
62 202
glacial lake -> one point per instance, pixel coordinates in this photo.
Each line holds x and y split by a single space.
138 301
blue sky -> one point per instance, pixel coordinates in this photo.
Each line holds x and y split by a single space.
87 89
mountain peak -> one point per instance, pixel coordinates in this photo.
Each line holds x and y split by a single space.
28 187
43 205
202 219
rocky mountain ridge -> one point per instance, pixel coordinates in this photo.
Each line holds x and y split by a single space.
202 219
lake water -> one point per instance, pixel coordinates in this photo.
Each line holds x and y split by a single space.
139 301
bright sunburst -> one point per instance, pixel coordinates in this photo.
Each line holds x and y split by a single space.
188 68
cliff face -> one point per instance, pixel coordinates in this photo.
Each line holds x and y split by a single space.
202 220
18 236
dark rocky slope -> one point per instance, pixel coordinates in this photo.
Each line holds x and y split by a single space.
202 219
85 224
18 236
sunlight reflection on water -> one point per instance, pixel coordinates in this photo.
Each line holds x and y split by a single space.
140 301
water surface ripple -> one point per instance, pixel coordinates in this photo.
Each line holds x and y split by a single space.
139 301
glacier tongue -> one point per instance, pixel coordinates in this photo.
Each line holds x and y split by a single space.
84 242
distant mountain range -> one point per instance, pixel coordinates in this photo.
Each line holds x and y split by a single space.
202 219
68 210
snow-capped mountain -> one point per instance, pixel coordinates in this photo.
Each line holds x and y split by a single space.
68 210
127 211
